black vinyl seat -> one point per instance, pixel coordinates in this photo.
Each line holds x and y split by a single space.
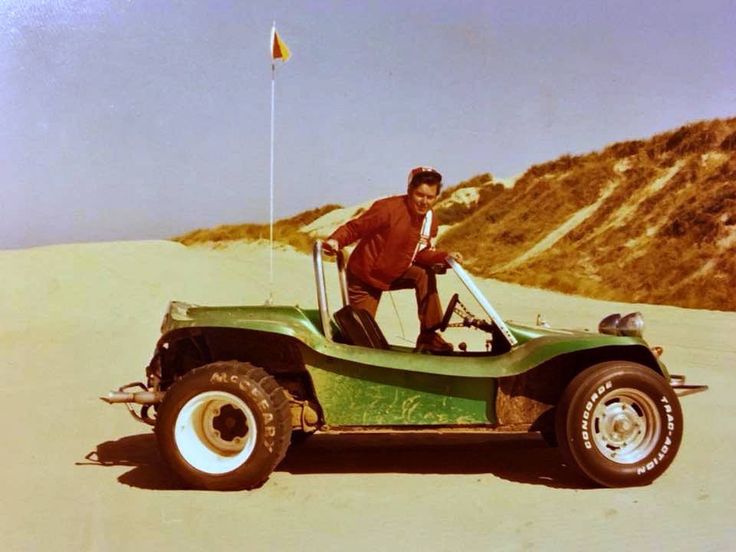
358 327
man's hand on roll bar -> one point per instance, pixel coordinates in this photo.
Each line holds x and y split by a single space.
457 256
330 247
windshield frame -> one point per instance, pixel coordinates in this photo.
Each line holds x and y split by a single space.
481 299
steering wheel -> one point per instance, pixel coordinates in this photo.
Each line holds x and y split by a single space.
448 312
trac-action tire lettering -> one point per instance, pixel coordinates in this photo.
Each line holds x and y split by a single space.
667 441
670 417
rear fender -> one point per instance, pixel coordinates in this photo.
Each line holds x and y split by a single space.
186 348
180 351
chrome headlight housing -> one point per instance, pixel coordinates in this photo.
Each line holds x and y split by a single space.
631 325
609 325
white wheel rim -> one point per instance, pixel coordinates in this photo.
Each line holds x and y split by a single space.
626 426
215 432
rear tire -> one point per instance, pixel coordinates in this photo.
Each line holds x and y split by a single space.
619 423
224 426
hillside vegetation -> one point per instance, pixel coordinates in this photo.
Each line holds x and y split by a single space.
650 221
641 221
286 231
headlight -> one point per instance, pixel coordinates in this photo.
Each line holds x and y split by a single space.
609 325
631 325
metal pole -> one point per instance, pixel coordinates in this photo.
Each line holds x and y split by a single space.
269 301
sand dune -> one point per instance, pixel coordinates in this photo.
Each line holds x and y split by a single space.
76 320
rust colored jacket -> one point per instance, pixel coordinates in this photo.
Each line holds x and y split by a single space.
388 232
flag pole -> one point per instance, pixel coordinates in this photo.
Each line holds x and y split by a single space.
279 50
269 301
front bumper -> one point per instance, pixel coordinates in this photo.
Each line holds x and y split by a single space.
682 389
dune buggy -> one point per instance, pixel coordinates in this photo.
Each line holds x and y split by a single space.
228 388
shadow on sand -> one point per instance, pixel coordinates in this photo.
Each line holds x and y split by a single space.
520 459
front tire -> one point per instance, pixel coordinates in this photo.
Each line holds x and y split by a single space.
224 426
619 423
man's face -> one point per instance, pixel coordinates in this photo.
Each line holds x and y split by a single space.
422 198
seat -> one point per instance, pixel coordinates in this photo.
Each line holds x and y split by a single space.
358 327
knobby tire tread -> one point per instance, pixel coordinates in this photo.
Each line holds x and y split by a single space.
278 401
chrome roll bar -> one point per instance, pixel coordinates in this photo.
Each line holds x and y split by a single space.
319 276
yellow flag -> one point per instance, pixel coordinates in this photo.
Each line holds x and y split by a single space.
279 50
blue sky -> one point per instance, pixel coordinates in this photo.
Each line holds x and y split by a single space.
135 119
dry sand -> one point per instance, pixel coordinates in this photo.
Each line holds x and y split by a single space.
77 474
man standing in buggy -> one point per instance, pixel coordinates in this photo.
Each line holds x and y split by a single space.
395 251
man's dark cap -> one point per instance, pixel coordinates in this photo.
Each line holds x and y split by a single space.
424 175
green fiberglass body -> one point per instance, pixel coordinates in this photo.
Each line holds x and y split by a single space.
229 388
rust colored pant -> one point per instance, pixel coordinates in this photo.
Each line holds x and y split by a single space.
422 281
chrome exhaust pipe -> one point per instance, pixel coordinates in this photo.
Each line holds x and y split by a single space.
125 395
142 397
